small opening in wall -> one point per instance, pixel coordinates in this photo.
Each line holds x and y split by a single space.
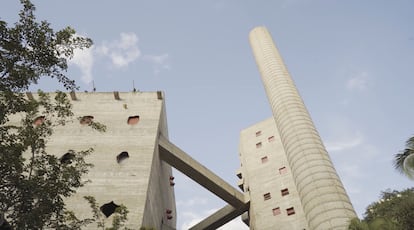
122 156
133 120
282 170
284 192
86 120
67 157
271 139
258 133
259 145
267 196
38 120
109 208
264 159
290 211
276 211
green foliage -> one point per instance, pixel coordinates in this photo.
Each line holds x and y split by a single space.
30 50
404 160
357 224
118 220
394 210
34 183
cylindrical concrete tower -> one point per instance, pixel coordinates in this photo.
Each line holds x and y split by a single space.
324 200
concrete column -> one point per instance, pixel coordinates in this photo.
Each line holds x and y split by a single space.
324 200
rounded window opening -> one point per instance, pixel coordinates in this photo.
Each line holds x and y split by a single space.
109 208
86 120
39 120
122 156
133 120
67 157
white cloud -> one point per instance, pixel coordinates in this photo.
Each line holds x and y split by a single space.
159 62
344 144
84 59
358 82
121 52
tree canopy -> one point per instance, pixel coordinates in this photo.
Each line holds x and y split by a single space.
394 210
404 160
34 183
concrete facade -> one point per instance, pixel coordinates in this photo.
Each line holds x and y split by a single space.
140 182
265 170
286 175
313 179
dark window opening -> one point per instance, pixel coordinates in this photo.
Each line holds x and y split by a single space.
290 211
285 192
122 156
86 120
264 159
282 170
276 211
109 208
267 196
133 120
259 145
39 120
258 133
67 157
270 139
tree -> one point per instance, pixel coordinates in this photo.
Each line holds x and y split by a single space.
34 183
404 160
394 210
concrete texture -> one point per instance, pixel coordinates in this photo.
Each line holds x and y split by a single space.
322 195
200 174
141 182
260 178
219 218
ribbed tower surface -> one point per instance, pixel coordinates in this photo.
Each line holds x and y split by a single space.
324 200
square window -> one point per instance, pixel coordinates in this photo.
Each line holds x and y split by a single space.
259 145
271 139
267 196
282 170
258 133
285 192
276 211
264 159
290 211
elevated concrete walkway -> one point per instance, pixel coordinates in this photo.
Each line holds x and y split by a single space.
184 163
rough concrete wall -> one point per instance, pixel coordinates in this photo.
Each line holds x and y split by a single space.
323 196
261 178
126 183
160 195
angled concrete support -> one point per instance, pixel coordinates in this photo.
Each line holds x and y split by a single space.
219 218
177 158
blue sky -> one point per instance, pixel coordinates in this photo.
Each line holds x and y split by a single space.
352 61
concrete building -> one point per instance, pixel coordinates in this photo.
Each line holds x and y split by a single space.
133 161
286 171
286 175
127 167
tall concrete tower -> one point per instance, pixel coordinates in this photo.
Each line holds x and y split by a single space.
322 196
